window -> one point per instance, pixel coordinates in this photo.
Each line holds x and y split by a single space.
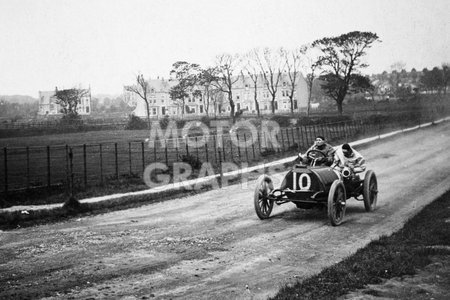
87 109
154 111
201 109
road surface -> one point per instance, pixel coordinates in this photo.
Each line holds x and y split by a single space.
212 245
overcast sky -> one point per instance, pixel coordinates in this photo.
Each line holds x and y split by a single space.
105 43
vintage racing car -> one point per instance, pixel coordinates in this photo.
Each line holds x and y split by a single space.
309 186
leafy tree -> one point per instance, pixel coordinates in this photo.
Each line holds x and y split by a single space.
186 75
207 90
68 100
341 60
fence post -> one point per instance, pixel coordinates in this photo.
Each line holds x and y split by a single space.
223 148
5 156
84 166
253 146
215 148
187 146
71 172
28 168
48 167
220 169
259 141
101 164
129 157
238 146
245 145
143 156
165 153
206 150
116 161
282 140
287 137
196 148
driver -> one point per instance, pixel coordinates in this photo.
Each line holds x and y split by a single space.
346 156
321 145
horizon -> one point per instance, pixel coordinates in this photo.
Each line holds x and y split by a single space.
48 46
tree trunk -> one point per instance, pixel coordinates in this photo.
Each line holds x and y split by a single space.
273 105
292 105
339 107
230 100
257 107
148 114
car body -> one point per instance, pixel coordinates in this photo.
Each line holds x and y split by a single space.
309 186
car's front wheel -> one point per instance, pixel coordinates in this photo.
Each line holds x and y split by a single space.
336 203
263 205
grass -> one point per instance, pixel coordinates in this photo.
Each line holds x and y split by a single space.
400 254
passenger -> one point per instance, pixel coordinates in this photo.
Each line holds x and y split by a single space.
320 145
346 156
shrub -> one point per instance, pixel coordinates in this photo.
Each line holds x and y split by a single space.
164 122
135 122
192 160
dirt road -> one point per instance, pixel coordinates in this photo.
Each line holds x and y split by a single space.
213 246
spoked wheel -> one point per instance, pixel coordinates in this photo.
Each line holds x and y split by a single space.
263 205
370 190
336 203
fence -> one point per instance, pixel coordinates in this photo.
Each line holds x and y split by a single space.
92 164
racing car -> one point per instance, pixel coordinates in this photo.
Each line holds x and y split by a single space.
311 186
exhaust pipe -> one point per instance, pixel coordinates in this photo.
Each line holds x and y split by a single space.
346 172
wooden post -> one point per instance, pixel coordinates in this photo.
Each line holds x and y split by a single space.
165 153
238 146
245 145
48 167
101 163
116 161
28 167
129 157
84 166
5 157
143 156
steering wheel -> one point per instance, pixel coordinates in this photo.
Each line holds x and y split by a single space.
314 155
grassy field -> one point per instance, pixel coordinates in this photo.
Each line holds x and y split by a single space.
423 237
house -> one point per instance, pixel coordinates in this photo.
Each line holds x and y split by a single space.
48 105
243 97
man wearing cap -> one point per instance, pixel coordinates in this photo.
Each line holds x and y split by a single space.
320 145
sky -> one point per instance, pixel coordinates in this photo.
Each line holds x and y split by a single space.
104 44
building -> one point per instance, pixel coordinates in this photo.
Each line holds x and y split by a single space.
48 105
243 96
160 102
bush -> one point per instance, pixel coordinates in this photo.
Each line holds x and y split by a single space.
164 122
192 160
135 122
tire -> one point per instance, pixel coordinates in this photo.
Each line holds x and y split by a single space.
263 206
336 203
370 191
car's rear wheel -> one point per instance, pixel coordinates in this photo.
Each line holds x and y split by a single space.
370 190
263 205
336 203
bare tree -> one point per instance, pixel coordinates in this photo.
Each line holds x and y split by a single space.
251 70
226 76
207 90
293 62
142 89
187 76
310 66
271 65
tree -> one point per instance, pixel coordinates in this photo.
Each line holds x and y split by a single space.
341 59
142 89
445 76
186 75
252 71
226 71
205 80
293 61
272 65
69 99
310 65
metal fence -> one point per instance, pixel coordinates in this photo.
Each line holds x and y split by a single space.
92 164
